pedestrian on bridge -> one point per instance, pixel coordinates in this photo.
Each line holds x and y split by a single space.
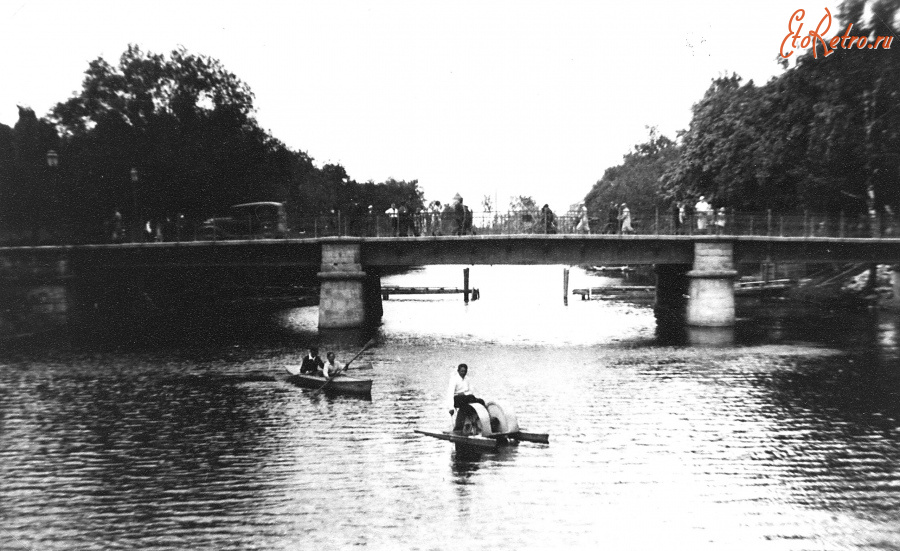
677 216
612 219
393 217
703 210
581 222
459 215
625 217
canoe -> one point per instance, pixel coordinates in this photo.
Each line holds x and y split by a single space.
294 369
477 427
340 384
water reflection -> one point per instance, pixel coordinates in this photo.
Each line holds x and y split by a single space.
785 439
710 336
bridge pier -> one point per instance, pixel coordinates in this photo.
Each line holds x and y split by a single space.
671 286
669 304
711 286
895 286
348 296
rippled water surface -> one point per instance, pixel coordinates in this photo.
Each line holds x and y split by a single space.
788 438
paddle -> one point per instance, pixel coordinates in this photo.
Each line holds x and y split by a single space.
367 345
294 369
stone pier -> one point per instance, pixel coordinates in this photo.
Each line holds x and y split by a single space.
346 292
711 287
895 286
671 287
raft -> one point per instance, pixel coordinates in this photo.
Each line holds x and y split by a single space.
477 427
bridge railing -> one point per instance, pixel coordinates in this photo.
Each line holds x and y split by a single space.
657 223
807 225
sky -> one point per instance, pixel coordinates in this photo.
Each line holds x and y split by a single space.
487 98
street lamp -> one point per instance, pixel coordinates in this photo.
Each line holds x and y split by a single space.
40 215
135 219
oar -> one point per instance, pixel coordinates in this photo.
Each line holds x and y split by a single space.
364 366
367 345
294 369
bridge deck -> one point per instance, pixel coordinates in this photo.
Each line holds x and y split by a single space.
565 249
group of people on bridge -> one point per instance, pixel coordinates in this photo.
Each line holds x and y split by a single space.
707 219
454 218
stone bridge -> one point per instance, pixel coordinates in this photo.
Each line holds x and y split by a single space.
347 269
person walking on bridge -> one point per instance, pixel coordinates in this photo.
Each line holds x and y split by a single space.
625 217
393 218
582 225
702 209
612 219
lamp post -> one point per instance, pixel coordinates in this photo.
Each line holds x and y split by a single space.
53 163
135 219
39 215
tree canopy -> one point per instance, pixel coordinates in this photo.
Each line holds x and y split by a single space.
823 135
154 136
637 180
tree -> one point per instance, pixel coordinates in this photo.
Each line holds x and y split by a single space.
822 136
186 127
524 204
30 197
637 180
184 122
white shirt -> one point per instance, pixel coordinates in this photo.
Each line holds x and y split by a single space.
457 385
329 367
702 207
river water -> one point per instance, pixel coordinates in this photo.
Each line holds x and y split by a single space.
788 438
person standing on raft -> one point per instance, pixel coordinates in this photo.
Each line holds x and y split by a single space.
460 391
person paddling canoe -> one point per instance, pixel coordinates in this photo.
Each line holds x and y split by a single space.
460 391
312 363
332 367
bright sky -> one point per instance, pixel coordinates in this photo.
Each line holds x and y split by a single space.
486 97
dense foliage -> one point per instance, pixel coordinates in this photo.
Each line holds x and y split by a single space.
823 136
186 125
636 181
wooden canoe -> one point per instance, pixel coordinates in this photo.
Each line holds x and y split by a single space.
294 369
342 384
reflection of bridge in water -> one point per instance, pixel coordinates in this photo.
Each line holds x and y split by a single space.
347 270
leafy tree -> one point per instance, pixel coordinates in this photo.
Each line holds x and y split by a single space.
821 136
184 122
636 181
186 126
523 203
30 195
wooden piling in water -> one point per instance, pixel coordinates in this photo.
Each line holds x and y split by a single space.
466 285
566 286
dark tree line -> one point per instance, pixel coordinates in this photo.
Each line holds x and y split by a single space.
158 136
636 181
822 136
